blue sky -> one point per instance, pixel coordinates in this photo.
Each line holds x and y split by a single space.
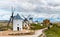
36 8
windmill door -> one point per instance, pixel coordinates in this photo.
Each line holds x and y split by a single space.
17 28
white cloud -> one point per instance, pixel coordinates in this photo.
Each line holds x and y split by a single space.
37 8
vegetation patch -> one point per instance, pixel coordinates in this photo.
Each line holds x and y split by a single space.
36 26
53 32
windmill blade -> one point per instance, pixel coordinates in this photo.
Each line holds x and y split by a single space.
28 16
12 14
12 9
8 23
11 18
23 17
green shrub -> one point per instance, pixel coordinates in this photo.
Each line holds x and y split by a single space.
53 32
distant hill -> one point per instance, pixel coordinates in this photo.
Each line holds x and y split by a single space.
3 20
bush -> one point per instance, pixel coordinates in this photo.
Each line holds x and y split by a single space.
53 32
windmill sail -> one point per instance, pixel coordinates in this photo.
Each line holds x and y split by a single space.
23 17
11 18
28 16
8 23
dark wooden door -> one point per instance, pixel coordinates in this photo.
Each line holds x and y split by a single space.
18 28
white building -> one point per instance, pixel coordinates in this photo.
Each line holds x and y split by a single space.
17 23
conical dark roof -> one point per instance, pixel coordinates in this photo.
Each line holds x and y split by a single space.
17 17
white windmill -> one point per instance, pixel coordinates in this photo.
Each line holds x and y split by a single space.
26 22
16 22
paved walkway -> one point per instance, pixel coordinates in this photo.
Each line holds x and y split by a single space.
37 33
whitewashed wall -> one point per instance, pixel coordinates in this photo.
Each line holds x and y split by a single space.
15 25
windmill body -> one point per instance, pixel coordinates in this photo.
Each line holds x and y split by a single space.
17 23
25 23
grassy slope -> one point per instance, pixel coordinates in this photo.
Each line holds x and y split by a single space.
53 32
37 26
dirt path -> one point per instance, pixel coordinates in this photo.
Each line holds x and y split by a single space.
37 33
